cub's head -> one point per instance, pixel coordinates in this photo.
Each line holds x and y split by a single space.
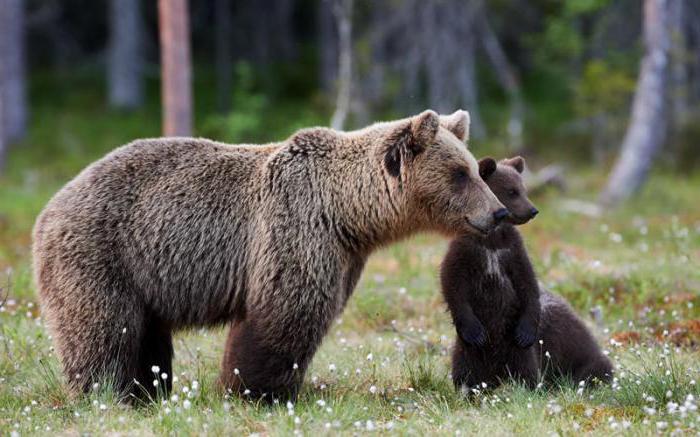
426 159
505 180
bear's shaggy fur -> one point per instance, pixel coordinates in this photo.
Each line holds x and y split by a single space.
170 233
492 293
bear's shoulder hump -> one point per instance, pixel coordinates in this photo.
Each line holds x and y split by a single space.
316 140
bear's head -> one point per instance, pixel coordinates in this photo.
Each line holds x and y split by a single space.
505 180
427 161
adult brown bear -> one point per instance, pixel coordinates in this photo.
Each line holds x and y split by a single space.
165 234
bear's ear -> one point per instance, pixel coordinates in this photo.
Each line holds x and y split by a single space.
518 163
457 123
410 139
424 128
487 166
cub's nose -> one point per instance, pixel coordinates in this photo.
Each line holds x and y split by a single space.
533 212
499 215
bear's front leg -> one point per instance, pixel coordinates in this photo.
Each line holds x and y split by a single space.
256 370
291 299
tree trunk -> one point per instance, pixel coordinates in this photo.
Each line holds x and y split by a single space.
125 58
176 68
12 69
224 70
327 46
468 88
679 63
343 12
3 141
647 130
506 76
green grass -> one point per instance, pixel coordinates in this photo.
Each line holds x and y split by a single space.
385 365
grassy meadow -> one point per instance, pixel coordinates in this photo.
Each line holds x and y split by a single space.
384 367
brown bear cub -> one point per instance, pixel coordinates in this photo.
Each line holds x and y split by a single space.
493 296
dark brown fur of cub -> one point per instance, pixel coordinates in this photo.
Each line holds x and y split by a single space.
493 296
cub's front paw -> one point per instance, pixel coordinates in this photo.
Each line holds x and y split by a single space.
472 333
525 333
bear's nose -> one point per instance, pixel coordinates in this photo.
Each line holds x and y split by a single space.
533 212
499 215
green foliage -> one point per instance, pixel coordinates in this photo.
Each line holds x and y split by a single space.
563 39
603 90
246 119
257 116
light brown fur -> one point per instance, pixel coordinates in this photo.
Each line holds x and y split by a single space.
170 233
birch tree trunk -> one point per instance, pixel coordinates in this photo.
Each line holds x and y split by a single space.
647 130
125 79
343 13
176 68
12 69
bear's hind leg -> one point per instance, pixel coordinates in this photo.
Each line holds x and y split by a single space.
97 344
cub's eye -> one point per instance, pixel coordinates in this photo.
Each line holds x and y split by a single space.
513 193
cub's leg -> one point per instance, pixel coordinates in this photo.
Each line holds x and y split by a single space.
461 370
598 369
473 366
573 350
524 366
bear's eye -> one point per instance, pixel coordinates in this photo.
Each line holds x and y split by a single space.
461 176
513 193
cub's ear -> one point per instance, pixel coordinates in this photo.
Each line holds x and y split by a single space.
487 166
410 139
457 123
518 163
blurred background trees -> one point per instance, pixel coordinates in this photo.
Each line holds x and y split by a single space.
125 63
578 82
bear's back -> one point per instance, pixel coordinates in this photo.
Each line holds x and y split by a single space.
160 212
